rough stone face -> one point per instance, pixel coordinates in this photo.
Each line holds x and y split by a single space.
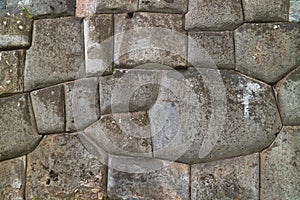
18 134
216 15
11 68
12 176
236 178
219 46
149 38
280 173
15 30
115 6
165 6
98 32
84 8
48 106
61 168
267 51
266 10
170 181
56 54
82 103
294 11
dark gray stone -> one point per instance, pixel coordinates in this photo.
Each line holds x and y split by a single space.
164 6
56 54
115 6
216 15
294 11
61 168
280 172
267 51
236 178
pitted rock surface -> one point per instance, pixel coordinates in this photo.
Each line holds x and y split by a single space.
115 6
164 6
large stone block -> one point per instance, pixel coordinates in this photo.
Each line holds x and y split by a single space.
214 15
294 11
18 134
236 178
99 42
12 176
266 10
49 109
56 54
61 168
280 172
11 68
267 51
165 6
115 6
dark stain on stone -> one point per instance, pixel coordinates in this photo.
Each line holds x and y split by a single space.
130 15
169 1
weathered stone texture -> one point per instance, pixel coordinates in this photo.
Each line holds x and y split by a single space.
61 168
48 106
11 68
85 8
219 46
99 44
266 10
294 11
170 181
18 134
56 54
164 6
267 51
280 172
115 6
149 38
214 15
82 103
236 178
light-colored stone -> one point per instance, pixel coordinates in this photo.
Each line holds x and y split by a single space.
115 6
164 6
18 134
280 172
49 109
294 11
236 178
85 8
267 51
61 168
214 15
56 54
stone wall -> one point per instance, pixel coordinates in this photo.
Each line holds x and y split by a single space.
149 99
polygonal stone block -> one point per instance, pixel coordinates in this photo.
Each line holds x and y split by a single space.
280 173
236 178
294 11
56 54
267 51
214 15
115 6
164 6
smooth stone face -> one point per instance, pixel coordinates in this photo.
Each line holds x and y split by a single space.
171 181
98 32
82 103
280 173
266 10
115 6
164 6
18 134
294 11
216 15
149 38
12 176
219 46
61 168
267 51
48 106
11 68
56 54
236 178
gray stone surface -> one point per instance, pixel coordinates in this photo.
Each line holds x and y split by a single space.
219 46
266 10
294 11
85 8
267 51
18 133
164 6
82 103
49 109
149 38
115 6
11 68
280 173
61 168
216 15
98 32
171 181
56 54
12 178
236 178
